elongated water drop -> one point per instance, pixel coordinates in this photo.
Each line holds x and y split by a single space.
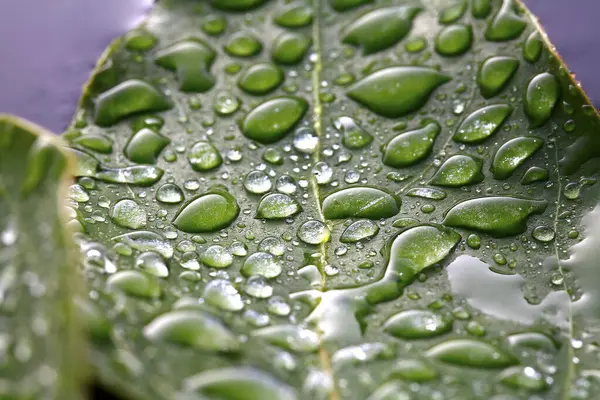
514 153
411 147
145 145
417 324
459 170
540 98
396 91
361 202
498 216
482 123
191 60
277 206
208 212
273 119
471 353
495 73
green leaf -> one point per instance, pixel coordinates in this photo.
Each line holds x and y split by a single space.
409 194
40 344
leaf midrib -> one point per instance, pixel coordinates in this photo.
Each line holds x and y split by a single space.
324 356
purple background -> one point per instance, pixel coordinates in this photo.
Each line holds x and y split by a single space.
48 48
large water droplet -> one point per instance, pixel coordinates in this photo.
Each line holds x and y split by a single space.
498 216
261 78
313 232
532 48
396 91
294 17
169 193
359 230
413 370
540 98
153 264
257 182
417 324
146 241
290 337
243 44
361 202
145 145
506 24
273 119
454 40
482 123
410 147
191 60
134 283
141 175
208 212
261 264
277 206
192 328
238 383
353 136
289 48
459 170
471 353
514 153
216 256
523 377
128 98
221 294
495 73
128 214
95 142
379 29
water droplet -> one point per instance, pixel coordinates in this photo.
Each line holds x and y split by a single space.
78 193
128 214
362 229
153 264
305 140
506 24
531 340
221 294
379 29
313 232
294 17
534 174
214 25
226 103
410 147
191 60
243 44
273 156
273 119
289 48
482 123
257 287
453 12
495 73
141 175
277 206
145 145
272 245
454 40
311 274
427 193
540 98
261 78
95 142
417 324
413 370
344 5
146 241
261 264
471 353
532 48
128 98
246 383
216 256
290 337
322 172
474 241
360 202
208 212
498 216
286 184
134 283
396 91
257 182
353 136
169 193
514 153
459 170
523 377
140 40
543 233
481 8
192 328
